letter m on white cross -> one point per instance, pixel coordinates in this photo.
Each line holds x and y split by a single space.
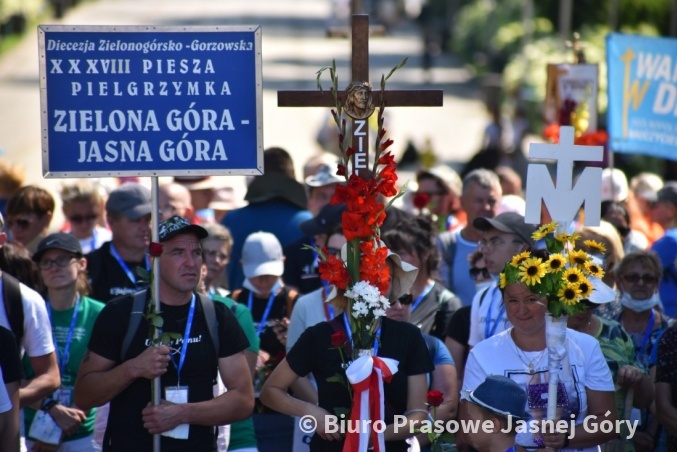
564 199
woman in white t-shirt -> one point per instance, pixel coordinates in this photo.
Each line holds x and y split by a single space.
520 353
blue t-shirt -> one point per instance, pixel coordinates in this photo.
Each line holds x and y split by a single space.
463 284
439 353
666 249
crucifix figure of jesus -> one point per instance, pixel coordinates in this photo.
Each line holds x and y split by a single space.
358 99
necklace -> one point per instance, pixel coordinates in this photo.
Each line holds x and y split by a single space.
530 363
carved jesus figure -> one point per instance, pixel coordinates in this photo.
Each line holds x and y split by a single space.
359 103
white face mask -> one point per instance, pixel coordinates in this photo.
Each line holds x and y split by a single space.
639 305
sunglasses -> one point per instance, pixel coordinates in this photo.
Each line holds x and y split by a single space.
83 218
21 223
633 278
406 299
476 272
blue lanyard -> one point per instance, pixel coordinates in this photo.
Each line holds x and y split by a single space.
62 358
328 308
184 344
92 244
648 331
266 313
122 263
487 332
420 298
349 332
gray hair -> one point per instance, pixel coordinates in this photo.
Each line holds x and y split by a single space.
481 176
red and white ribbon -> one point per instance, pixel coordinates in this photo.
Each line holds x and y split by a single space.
366 375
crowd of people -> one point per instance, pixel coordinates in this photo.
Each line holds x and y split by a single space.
248 321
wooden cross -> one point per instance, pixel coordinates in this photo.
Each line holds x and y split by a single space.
360 72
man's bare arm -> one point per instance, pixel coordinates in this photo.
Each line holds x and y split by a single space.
100 380
47 379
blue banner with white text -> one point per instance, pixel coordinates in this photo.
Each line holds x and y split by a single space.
642 89
150 100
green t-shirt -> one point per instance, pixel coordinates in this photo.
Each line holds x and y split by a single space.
88 310
242 433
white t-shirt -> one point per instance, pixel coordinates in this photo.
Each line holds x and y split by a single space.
99 237
483 317
5 401
308 310
499 355
37 338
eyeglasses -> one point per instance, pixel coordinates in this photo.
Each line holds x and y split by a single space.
495 242
61 262
77 219
406 299
216 255
634 278
476 272
21 223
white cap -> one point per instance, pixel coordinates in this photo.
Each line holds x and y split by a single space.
262 255
614 185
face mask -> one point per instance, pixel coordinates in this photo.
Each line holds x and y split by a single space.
639 305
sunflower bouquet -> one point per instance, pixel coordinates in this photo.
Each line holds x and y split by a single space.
565 277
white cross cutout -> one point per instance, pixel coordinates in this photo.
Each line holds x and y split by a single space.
564 199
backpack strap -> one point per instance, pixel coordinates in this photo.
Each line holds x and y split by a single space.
11 295
212 323
138 309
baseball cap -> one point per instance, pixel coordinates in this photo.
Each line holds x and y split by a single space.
614 185
502 396
325 175
327 219
178 225
262 255
58 241
668 193
131 200
510 222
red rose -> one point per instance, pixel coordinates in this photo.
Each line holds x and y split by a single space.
155 249
435 398
338 339
421 200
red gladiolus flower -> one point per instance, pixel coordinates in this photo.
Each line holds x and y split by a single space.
338 339
334 272
386 144
387 158
341 170
355 226
155 249
435 398
350 152
382 133
421 200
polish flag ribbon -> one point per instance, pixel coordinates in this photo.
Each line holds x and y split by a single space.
366 375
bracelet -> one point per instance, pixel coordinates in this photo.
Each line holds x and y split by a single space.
48 405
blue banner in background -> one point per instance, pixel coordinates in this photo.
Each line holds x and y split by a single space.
642 92
150 101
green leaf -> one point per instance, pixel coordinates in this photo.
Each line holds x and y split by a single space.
399 66
165 338
143 273
157 321
337 378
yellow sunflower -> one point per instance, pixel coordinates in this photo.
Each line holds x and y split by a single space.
579 258
573 276
556 262
543 231
594 269
585 287
571 238
569 294
594 245
502 282
532 270
517 260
